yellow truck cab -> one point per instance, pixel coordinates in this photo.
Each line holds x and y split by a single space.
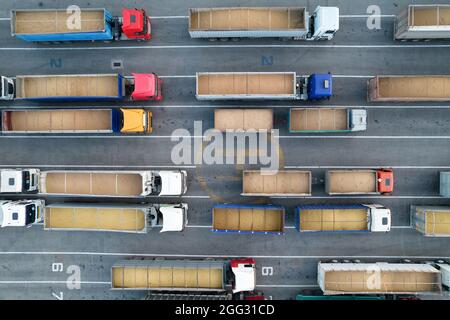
136 121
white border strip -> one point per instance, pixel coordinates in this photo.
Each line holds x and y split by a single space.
206 106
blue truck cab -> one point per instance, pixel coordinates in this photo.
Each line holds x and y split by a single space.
317 86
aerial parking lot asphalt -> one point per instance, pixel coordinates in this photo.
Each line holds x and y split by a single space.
412 138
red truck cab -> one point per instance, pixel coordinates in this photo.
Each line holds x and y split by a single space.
147 86
385 178
136 24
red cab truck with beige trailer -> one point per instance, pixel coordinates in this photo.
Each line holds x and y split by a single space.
359 181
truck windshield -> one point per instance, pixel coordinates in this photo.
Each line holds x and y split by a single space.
26 182
30 214
157 185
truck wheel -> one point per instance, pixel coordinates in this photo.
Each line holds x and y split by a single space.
212 39
235 39
223 39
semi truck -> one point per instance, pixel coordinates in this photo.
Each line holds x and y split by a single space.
378 278
76 121
127 218
243 119
94 183
248 219
262 86
283 183
444 184
431 221
189 276
327 120
423 22
409 88
84 87
60 25
370 181
343 218
264 22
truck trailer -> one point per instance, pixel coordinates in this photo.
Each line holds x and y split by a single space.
243 119
94 183
409 88
371 181
82 87
58 25
431 221
200 276
283 183
262 86
379 278
444 184
127 218
423 22
343 218
327 120
76 121
264 22
248 219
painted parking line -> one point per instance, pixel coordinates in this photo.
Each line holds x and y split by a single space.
84 166
206 106
136 254
53 282
286 227
287 286
367 167
234 46
177 137
360 197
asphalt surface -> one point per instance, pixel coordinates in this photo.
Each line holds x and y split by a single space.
412 138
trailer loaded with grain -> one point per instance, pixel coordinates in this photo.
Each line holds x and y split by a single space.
248 219
89 87
94 183
321 120
199 276
346 182
59 25
379 278
409 88
431 221
243 119
343 218
264 22
76 121
423 22
291 183
127 218
262 85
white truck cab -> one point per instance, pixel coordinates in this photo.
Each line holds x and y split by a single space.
21 213
358 120
324 23
7 88
174 217
379 219
173 183
19 180
244 274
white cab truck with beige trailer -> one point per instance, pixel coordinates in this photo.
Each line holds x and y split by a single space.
283 183
95 183
327 120
423 22
243 119
409 88
200 276
379 278
264 22
129 218
431 221
361 181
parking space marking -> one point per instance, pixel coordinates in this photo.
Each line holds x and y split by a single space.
225 46
135 254
83 166
367 167
52 282
203 137
287 286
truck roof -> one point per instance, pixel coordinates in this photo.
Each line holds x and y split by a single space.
173 218
144 86
11 181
